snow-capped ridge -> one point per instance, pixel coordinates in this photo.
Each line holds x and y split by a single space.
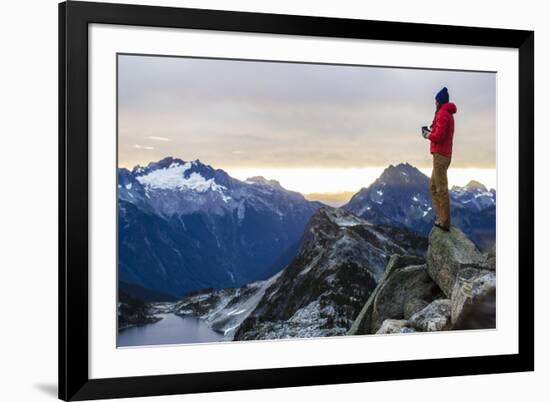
173 178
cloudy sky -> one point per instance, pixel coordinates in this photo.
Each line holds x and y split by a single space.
299 121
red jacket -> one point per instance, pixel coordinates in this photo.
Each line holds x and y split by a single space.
443 128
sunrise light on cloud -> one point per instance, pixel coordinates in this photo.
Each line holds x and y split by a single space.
320 180
313 128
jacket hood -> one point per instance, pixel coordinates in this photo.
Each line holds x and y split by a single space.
449 107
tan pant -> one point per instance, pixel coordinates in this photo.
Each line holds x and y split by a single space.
440 190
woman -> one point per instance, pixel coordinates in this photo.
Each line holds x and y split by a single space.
441 148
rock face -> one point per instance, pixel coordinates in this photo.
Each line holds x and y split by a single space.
436 316
400 288
394 327
405 282
449 253
454 290
473 299
412 306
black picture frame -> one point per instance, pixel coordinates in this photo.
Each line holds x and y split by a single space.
74 18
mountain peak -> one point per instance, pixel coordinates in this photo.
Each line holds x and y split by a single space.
473 184
257 179
167 163
401 173
175 174
263 180
400 167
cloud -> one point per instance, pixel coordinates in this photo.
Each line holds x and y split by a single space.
137 146
156 138
250 114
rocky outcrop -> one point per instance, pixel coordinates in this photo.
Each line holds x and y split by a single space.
394 327
403 286
449 253
405 283
466 276
436 316
412 306
474 299
455 289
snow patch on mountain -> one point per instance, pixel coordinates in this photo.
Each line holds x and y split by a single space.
172 178
341 218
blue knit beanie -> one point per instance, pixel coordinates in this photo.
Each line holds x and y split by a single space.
442 96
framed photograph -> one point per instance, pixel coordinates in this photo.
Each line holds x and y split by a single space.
257 200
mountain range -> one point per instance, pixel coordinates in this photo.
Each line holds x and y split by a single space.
400 197
185 226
